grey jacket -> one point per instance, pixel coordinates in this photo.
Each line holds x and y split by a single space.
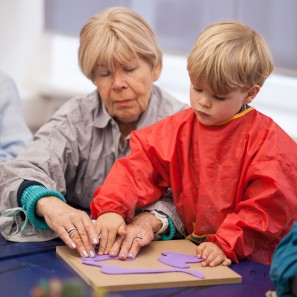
73 153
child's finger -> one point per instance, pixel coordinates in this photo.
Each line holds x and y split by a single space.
218 260
110 240
103 241
122 230
199 250
227 262
115 249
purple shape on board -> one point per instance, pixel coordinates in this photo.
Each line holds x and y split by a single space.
122 270
178 260
98 258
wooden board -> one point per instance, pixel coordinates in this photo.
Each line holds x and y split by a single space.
147 258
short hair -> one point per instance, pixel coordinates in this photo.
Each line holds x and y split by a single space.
117 33
228 55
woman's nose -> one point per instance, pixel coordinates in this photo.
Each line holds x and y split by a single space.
118 80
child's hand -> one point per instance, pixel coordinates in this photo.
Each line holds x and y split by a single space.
108 225
212 255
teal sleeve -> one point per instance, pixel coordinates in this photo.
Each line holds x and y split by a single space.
172 230
29 198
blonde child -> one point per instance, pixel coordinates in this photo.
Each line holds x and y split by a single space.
232 170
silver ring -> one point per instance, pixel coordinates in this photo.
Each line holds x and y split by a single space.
71 230
139 237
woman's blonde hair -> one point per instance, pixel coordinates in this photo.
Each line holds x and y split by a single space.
118 34
228 55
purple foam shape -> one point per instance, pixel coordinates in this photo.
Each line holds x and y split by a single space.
178 260
107 269
98 258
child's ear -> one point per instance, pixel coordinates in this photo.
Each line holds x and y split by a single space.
251 94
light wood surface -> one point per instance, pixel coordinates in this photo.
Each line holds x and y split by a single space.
147 258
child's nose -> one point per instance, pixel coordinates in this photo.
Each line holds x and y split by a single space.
204 100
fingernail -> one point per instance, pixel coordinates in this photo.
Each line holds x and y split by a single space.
122 255
85 254
95 240
73 245
92 253
131 255
112 253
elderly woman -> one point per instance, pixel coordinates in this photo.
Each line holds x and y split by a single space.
54 179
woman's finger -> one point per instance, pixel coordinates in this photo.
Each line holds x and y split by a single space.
81 239
90 228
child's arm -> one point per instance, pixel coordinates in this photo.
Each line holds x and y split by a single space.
212 254
108 226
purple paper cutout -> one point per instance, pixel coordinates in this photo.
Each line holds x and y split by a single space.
178 260
107 269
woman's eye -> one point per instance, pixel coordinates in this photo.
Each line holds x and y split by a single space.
104 74
130 69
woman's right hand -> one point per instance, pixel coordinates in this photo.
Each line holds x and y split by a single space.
73 226
140 232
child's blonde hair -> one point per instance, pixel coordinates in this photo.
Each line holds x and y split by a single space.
118 34
228 55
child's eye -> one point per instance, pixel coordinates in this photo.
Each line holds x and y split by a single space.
198 90
219 98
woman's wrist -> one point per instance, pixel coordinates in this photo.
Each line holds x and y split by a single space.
30 196
43 204
147 217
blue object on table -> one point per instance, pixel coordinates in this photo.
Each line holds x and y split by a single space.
284 263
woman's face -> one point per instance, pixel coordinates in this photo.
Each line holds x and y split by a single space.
126 90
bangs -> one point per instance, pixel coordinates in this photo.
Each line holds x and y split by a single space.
219 70
114 49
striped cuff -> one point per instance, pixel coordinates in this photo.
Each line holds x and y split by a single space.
172 230
29 198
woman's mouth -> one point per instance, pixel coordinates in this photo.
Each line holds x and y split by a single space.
123 102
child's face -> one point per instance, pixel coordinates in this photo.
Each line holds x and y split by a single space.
214 109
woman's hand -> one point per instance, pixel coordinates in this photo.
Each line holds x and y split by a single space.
108 226
212 255
140 232
73 226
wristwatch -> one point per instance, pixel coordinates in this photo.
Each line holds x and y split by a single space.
163 218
